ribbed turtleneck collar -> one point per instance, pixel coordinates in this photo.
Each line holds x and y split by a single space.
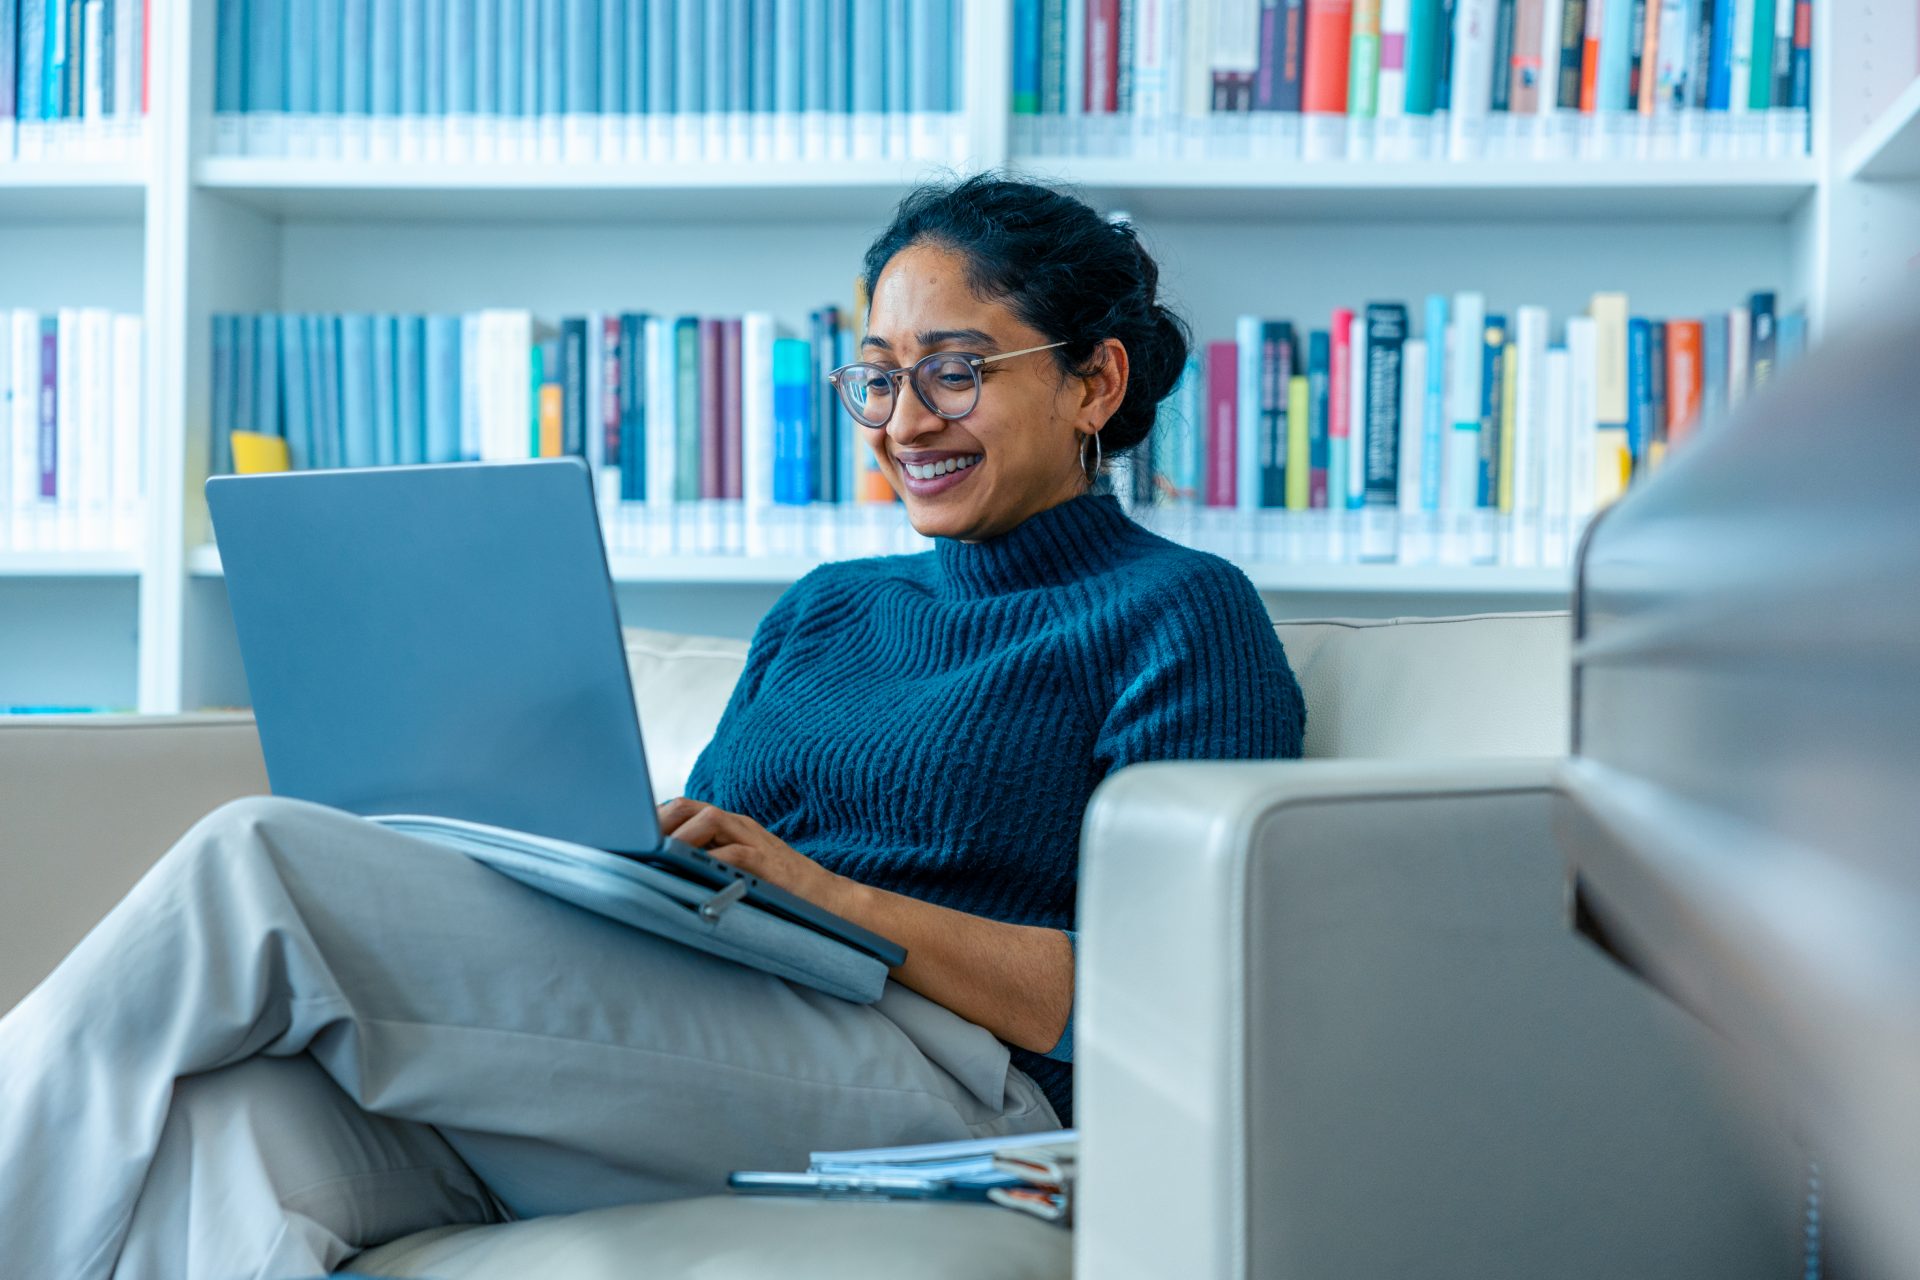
1060 544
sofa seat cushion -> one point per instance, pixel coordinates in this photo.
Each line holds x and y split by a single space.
740 1238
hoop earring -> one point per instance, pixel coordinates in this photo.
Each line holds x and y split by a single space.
1093 475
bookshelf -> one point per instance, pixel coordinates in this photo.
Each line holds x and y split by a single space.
187 232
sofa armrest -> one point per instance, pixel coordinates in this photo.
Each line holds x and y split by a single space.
1332 1020
86 804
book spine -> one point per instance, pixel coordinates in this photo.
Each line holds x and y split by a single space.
1386 330
612 20
1493 351
266 378
1531 463
295 381
385 394
634 445
1685 343
383 57
792 402
442 388
1720 55
1392 96
1583 480
1645 37
409 385
330 443
1615 56
1340 377
1462 463
1526 70
1657 399
732 427
1573 29
1780 68
1764 347
575 414
1740 69
1471 85
1277 363
1639 388
709 408
663 421
1328 56
1501 64
1363 59
1355 471
1026 57
1222 421
1423 58
1671 66
356 390
613 356
1293 56
1299 468
1248 340
1319 443
1802 54
1434 421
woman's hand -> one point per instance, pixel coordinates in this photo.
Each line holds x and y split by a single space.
739 841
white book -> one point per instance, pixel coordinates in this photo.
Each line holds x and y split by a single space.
1153 24
1462 492
1076 46
1554 461
129 440
1550 15
96 444
1531 398
1740 68
1671 63
1471 90
1413 400
93 90
1196 74
26 429
1246 479
757 332
1392 86
660 414
126 103
1739 354
1583 424
66 403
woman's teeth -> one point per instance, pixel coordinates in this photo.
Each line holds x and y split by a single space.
941 468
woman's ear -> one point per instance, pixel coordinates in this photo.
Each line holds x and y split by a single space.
1105 388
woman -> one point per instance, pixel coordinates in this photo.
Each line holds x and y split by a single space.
302 1034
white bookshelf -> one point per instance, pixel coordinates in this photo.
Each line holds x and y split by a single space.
189 233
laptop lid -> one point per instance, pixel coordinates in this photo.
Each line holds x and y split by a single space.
438 639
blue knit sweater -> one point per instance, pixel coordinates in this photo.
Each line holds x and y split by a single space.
935 724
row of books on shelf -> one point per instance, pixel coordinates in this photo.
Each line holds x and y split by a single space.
1478 440
73 78
1413 79
591 80
71 434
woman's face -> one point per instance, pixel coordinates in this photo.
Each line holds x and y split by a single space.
1021 444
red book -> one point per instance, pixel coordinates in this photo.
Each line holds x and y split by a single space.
1223 420
731 434
1323 85
1102 91
1686 368
1340 387
1590 56
712 485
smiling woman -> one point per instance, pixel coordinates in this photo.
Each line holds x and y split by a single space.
1030 331
303 1033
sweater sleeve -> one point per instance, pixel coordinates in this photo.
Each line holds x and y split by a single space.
1206 679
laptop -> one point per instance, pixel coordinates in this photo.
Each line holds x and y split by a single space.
445 640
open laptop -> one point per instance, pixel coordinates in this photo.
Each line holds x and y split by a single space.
445 640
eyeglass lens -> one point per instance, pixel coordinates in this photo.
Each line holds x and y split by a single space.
948 385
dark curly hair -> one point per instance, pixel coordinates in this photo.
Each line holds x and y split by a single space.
1061 268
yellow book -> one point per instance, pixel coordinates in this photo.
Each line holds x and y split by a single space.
1509 392
1612 464
1299 462
254 453
552 403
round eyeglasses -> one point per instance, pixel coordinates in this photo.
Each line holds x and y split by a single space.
947 382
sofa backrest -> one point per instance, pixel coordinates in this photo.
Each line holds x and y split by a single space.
1482 685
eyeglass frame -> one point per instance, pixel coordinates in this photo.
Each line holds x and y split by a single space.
973 363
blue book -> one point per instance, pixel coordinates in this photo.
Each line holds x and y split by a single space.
713 60
1616 55
765 53
1320 456
486 57
244 405
1433 419
266 376
583 62
458 56
839 59
869 54
553 58
1720 62
787 66
385 393
739 44
633 406
1639 386
357 428
329 444
329 84
296 384
612 43
898 69
1026 57
230 54
53 69
384 57
662 55
508 58
443 388
220 410
9 56
409 387
266 37
813 63
1713 368
413 57
926 55
792 420
433 65
528 47
29 91
356 56
635 56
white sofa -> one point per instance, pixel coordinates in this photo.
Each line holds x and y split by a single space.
1331 1021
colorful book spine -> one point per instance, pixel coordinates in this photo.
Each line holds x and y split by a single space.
1339 406
1329 29
1222 427
1319 369
1386 330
